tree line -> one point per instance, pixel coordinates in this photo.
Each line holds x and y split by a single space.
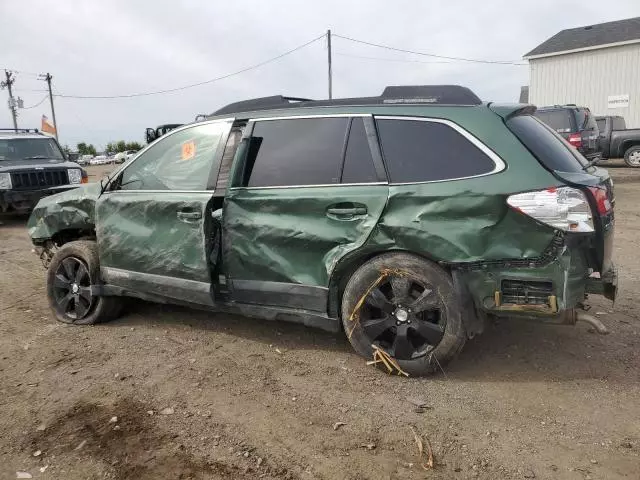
111 148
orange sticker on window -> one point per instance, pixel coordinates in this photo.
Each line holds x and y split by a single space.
188 150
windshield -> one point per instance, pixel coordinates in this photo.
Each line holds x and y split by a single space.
559 120
553 151
29 149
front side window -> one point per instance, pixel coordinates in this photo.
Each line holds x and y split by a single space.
425 151
295 152
180 161
29 149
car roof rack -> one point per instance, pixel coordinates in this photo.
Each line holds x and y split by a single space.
400 94
20 130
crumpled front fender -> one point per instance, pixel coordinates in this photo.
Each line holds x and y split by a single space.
70 210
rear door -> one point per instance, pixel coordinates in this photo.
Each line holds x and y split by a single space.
304 193
154 221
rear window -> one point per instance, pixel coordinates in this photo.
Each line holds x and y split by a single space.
546 145
585 120
426 151
602 124
559 120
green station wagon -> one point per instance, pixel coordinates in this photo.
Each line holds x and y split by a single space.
404 220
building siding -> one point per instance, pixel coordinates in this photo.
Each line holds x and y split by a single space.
588 79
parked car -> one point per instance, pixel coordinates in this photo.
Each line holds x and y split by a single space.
575 124
122 157
33 166
403 220
618 141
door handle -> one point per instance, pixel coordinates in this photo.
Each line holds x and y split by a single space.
189 216
347 211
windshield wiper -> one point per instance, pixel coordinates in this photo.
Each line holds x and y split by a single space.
35 157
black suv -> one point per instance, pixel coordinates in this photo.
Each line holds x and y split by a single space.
32 166
577 125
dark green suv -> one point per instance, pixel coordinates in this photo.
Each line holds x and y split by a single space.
404 220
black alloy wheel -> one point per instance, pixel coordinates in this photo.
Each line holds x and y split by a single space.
404 317
72 289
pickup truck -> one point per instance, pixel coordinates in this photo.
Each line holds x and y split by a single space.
618 141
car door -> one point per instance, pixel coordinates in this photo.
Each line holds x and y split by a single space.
304 192
153 221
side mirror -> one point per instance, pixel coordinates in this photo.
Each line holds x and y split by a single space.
150 133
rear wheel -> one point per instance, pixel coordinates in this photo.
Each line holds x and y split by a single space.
405 306
632 156
73 269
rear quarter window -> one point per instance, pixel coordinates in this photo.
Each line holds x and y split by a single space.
427 151
547 146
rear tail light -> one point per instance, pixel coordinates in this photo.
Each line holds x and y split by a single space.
602 199
564 208
575 139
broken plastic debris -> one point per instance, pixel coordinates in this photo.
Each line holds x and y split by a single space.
167 411
337 425
23 475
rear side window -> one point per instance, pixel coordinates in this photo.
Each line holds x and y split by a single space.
304 151
358 162
618 123
559 120
424 151
546 145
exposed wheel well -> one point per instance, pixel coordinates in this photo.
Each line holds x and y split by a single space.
70 235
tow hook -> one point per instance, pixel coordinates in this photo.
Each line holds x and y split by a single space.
593 321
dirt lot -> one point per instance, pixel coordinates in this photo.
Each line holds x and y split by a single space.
167 392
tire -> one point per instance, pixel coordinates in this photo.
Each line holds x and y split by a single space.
76 263
428 312
632 156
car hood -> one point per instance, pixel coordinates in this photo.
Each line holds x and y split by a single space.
40 163
69 210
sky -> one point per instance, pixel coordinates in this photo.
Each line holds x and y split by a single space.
119 47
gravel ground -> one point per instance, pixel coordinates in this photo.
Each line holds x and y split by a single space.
167 392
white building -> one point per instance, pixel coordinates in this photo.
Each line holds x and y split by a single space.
597 66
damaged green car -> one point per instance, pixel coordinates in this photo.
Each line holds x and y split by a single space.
404 220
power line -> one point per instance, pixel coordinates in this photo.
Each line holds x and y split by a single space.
37 104
170 90
21 72
461 59
392 59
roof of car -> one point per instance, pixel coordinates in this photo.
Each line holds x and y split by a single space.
437 95
589 36
21 133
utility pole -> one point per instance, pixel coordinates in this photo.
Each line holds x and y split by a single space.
48 78
329 62
12 103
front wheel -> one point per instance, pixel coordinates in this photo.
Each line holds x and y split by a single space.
73 269
406 306
632 156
